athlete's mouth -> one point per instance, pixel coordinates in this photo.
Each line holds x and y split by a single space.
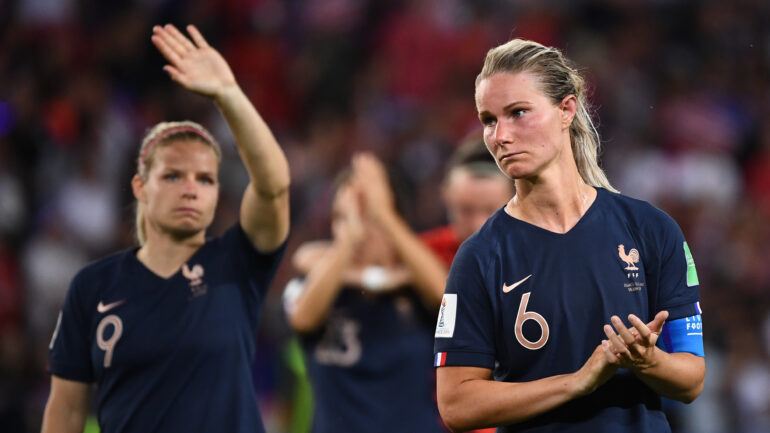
187 210
509 155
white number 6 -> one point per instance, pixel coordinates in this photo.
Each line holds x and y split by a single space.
524 315
109 345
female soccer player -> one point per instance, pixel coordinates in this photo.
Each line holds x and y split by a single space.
530 295
472 190
365 316
167 330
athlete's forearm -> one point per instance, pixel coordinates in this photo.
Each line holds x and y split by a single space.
67 407
678 376
261 154
322 285
265 204
481 403
428 272
58 419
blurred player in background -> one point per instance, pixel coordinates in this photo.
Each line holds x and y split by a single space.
473 189
530 295
167 330
365 311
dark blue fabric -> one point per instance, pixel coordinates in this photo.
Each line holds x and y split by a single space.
370 365
578 281
182 361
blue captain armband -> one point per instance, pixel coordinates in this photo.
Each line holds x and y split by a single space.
683 335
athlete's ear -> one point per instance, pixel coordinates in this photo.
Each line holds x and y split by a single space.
137 186
568 108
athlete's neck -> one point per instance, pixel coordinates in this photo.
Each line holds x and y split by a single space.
555 204
164 254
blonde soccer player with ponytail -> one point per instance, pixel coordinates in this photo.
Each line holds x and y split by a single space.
574 308
166 330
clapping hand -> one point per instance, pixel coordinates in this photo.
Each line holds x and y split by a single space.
633 348
193 63
371 178
347 225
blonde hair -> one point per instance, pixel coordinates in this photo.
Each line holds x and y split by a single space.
161 135
558 79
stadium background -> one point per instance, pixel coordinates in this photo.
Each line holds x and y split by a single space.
683 96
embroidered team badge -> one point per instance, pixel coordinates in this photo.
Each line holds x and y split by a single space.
195 275
630 260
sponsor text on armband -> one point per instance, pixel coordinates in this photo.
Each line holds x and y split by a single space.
683 335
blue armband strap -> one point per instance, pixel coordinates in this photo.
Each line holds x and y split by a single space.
683 335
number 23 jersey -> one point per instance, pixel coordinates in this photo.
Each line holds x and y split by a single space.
170 355
530 303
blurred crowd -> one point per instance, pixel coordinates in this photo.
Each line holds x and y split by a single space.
681 89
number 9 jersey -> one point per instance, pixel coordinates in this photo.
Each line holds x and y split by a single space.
168 354
530 303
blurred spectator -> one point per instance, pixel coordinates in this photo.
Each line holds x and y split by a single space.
684 98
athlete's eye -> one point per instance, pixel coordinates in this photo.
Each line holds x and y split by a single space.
171 176
518 112
487 120
206 180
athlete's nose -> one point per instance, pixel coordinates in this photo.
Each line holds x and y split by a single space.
503 132
190 188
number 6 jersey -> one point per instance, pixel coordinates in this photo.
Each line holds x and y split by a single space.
530 303
168 355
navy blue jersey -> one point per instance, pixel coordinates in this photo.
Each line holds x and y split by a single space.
168 355
530 304
370 365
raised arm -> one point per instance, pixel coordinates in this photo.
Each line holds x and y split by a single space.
67 406
200 68
677 376
468 397
428 272
326 276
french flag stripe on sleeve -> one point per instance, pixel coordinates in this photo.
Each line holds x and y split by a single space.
697 308
440 359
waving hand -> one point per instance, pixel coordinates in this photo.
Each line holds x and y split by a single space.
193 63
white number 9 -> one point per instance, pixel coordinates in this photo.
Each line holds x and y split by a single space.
109 345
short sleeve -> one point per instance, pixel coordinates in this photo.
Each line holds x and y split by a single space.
69 351
465 328
258 265
677 279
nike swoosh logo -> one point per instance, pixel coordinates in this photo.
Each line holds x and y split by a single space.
105 308
507 288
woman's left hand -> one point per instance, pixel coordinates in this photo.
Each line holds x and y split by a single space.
193 63
633 348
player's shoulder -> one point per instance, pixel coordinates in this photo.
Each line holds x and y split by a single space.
91 281
638 213
235 242
484 243
111 267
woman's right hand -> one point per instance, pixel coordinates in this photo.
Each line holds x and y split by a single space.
193 63
595 372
